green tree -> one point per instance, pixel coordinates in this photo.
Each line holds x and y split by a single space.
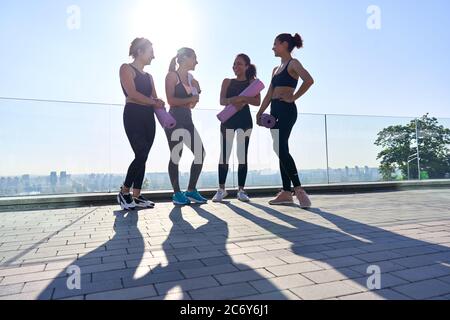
400 142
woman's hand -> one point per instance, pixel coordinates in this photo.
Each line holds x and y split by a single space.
193 101
158 104
238 101
196 85
258 118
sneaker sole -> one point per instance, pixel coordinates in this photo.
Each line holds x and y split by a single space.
127 208
181 204
280 203
144 206
197 201
218 201
124 206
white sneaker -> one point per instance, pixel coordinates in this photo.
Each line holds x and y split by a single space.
126 201
142 202
242 196
220 195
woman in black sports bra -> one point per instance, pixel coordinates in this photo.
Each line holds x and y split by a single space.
183 95
282 96
241 123
139 120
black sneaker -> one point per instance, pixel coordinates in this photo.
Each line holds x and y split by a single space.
142 202
126 201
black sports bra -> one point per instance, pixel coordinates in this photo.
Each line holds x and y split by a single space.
142 82
180 89
284 79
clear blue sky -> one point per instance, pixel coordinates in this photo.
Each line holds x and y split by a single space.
400 70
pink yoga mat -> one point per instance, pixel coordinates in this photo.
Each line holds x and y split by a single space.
166 120
252 90
268 121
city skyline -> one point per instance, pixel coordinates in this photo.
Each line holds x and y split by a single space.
66 183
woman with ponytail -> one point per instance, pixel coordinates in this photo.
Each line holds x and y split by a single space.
241 123
282 96
183 95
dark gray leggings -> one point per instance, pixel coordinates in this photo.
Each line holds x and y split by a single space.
184 133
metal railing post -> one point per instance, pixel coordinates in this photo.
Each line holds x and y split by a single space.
326 148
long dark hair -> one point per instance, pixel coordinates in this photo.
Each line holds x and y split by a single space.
295 41
181 54
250 74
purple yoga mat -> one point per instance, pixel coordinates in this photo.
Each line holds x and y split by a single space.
166 120
227 113
268 121
252 90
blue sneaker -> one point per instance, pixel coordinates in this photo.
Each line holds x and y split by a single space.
196 197
180 199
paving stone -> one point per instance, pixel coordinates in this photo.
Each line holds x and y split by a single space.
187 284
423 273
424 289
281 283
124 294
243 276
223 292
324 291
293 268
205 271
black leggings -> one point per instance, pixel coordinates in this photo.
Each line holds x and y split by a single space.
226 143
286 114
184 133
139 122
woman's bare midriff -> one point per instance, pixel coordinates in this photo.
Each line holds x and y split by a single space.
282 91
134 102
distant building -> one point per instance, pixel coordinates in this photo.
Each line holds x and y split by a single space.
53 178
63 178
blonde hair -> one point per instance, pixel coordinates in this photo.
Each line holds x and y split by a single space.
138 44
179 58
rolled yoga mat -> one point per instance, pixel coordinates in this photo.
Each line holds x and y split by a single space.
166 120
268 121
252 90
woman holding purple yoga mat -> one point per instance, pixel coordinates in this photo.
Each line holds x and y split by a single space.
139 120
282 96
183 95
241 122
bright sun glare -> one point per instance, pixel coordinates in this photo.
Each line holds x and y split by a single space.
168 24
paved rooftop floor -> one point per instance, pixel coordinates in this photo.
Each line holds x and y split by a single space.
233 250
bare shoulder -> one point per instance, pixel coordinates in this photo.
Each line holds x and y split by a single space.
295 63
226 82
172 76
126 68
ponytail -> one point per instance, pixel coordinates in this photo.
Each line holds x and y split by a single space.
250 74
181 55
173 65
295 41
298 41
